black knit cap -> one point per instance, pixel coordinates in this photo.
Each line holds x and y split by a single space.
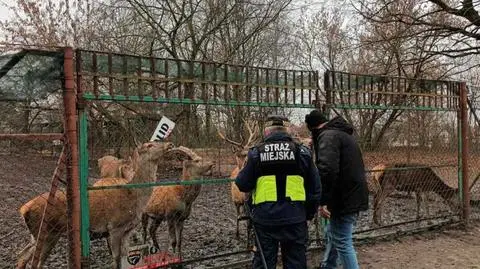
315 118
276 120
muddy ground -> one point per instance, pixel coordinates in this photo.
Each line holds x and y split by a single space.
211 230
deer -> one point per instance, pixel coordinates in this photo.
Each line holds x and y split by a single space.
111 166
419 180
174 203
241 151
113 212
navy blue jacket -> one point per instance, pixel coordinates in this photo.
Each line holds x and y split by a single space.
282 212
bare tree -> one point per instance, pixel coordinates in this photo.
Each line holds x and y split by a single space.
206 30
455 22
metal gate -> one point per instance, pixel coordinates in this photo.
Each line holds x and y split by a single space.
121 100
413 136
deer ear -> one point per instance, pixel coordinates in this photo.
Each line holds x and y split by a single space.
136 156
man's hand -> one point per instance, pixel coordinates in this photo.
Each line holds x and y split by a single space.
324 212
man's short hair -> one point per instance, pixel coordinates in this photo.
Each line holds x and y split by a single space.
276 128
277 120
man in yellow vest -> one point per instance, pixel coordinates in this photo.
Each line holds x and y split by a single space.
285 192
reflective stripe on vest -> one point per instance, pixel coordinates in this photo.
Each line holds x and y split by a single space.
266 189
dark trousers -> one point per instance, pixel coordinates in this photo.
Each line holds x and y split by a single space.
293 244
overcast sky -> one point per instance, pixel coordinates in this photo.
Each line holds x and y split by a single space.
313 4
4 12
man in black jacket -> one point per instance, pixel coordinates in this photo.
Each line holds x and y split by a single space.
286 193
340 165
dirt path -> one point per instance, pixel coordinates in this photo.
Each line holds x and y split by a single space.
437 249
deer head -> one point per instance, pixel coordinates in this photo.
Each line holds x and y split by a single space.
150 152
197 168
241 149
183 153
111 166
193 164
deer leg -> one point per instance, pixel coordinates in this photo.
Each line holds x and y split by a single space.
109 247
115 238
178 233
237 234
317 230
427 201
172 234
153 231
379 199
50 242
26 254
419 199
377 207
145 218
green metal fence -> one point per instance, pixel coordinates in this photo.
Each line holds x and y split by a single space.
413 138
122 98
413 134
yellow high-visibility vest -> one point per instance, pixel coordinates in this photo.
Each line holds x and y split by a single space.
266 189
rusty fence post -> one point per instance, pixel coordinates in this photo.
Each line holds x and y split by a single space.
463 139
73 183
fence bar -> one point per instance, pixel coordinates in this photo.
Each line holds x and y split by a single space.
277 90
78 69
95 74
125 73
167 92
73 184
248 88
32 136
267 82
286 86
463 139
139 79
153 74
42 231
85 210
110 71
179 84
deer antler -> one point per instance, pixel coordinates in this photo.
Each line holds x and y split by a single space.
229 140
185 152
252 134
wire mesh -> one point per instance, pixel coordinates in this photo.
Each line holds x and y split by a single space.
30 98
25 195
207 209
31 151
409 126
408 131
108 76
474 154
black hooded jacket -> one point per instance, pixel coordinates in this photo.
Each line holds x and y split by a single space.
340 164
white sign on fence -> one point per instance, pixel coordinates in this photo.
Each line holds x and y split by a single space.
163 130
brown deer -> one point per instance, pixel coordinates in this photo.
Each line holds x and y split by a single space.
240 150
387 178
111 166
115 212
174 203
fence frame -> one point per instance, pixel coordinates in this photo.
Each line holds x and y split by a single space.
460 106
68 155
95 95
75 103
